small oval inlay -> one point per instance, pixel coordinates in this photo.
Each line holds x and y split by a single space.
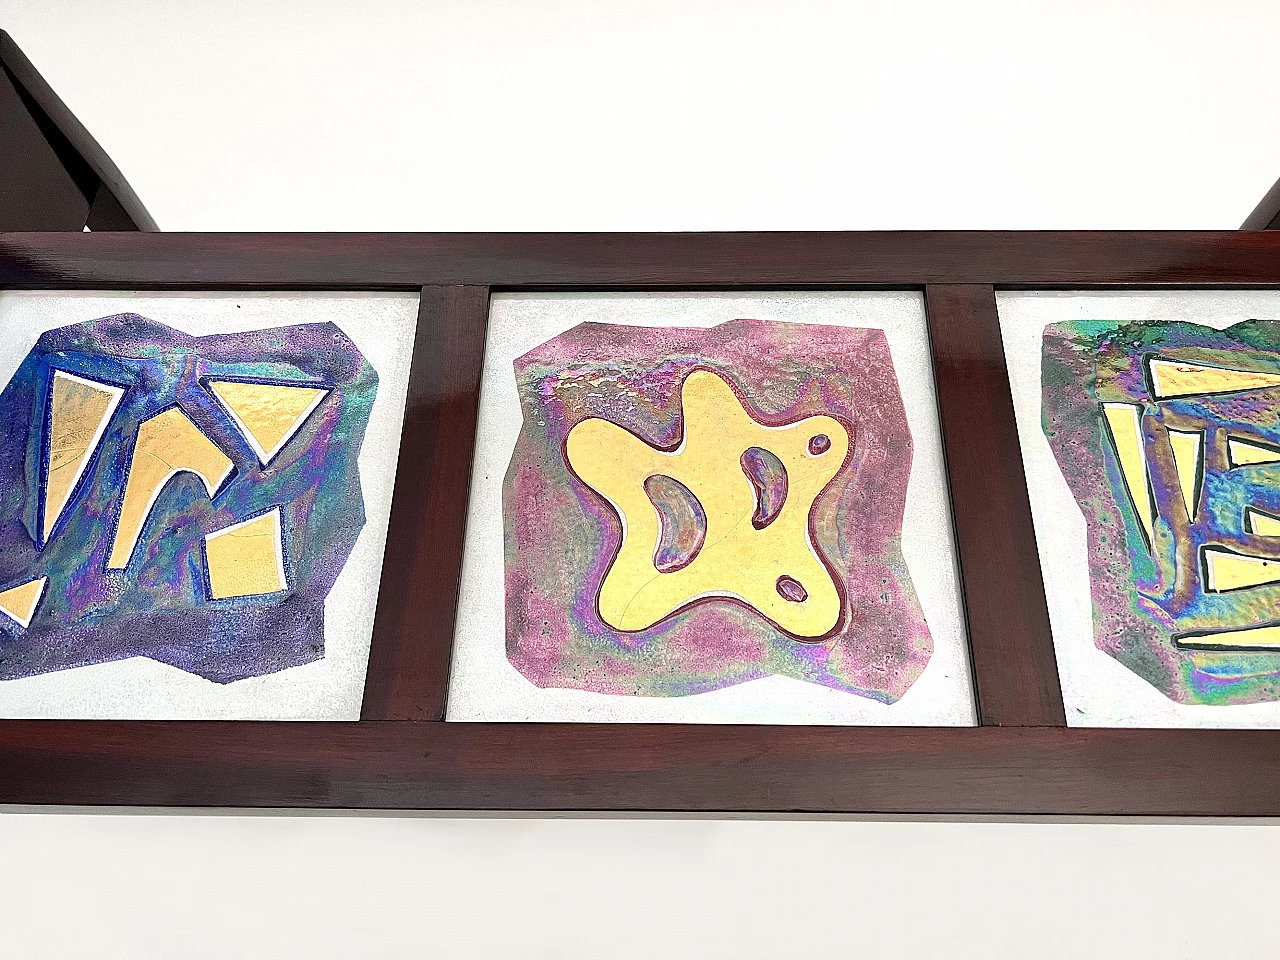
682 523
769 481
789 588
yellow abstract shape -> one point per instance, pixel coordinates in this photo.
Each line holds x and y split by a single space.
166 445
1125 426
268 414
1187 447
737 560
1176 378
19 603
79 411
1250 638
1225 570
1261 524
1245 453
246 559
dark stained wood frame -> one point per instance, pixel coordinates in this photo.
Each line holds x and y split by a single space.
1266 215
109 203
1021 760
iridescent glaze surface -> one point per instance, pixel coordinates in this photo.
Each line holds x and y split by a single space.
793 443
1168 434
188 499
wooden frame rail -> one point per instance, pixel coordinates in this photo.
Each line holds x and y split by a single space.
402 754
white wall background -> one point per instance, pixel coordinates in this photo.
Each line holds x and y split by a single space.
660 115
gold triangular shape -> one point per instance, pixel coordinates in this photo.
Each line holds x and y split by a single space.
79 411
1178 378
1246 453
1187 446
1124 425
1250 638
19 603
1261 524
1227 570
268 414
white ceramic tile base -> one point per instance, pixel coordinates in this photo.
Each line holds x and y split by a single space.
382 325
1097 690
485 686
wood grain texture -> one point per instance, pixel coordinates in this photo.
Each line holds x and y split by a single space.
1010 644
413 631
638 261
392 762
462 766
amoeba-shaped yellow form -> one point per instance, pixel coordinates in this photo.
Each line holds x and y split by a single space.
761 566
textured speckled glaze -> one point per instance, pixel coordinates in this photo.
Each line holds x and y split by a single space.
560 536
1144 598
159 605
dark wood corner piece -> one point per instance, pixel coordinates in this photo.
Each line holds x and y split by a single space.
1266 215
53 174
